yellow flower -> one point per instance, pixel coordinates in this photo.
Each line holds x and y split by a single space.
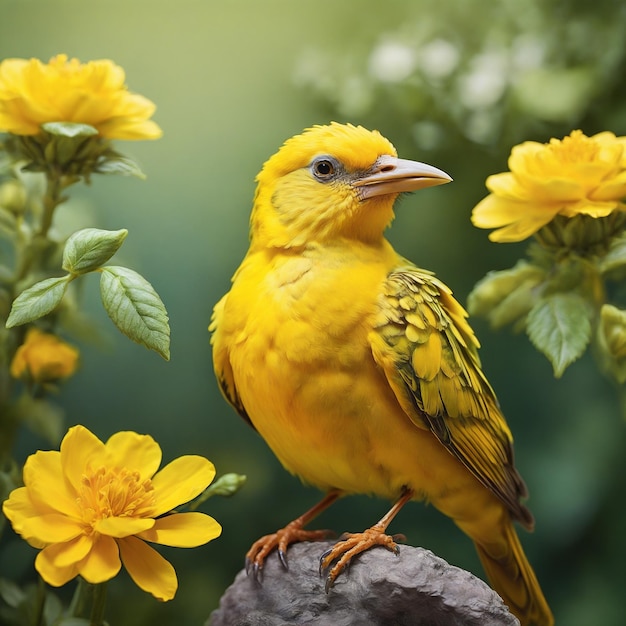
43 357
92 506
577 175
33 93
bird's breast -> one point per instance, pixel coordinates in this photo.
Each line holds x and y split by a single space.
297 333
302 362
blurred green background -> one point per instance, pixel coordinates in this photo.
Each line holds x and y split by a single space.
455 83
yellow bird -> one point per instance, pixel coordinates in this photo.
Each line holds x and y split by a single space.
358 368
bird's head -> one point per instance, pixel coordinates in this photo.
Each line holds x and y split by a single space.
332 182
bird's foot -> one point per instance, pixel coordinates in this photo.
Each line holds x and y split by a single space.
353 544
280 541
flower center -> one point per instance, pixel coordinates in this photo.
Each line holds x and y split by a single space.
575 148
115 492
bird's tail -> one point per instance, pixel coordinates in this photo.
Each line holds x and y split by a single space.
513 578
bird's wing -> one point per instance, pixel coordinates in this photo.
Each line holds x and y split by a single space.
428 353
221 363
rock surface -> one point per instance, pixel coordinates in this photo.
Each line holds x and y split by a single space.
415 588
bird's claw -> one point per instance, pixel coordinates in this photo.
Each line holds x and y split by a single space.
279 541
256 569
282 556
351 545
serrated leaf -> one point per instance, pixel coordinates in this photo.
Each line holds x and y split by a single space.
119 165
135 308
37 301
90 248
559 326
69 129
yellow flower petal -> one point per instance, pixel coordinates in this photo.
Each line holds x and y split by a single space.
183 530
50 528
150 571
51 573
518 231
123 526
549 190
611 189
181 481
507 186
43 476
115 129
587 207
74 551
135 452
19 506
523 154
103 561
492 212
80 449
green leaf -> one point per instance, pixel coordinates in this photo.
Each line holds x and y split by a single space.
559 326
505 295
88 249
37 301
119 165
135 308
615 258
69 129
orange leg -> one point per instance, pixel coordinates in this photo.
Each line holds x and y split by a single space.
292 533
352 544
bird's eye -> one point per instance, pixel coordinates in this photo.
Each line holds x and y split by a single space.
323 169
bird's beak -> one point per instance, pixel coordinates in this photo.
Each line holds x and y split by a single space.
392 175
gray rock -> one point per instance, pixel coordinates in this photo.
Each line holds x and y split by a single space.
415 588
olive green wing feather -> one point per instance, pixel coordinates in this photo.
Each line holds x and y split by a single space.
221 362
428 353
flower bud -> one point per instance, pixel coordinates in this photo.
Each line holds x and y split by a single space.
12 196
43 357
612 340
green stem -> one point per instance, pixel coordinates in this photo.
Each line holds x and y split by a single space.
31 249
79 599
98 606
40 602
52 198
